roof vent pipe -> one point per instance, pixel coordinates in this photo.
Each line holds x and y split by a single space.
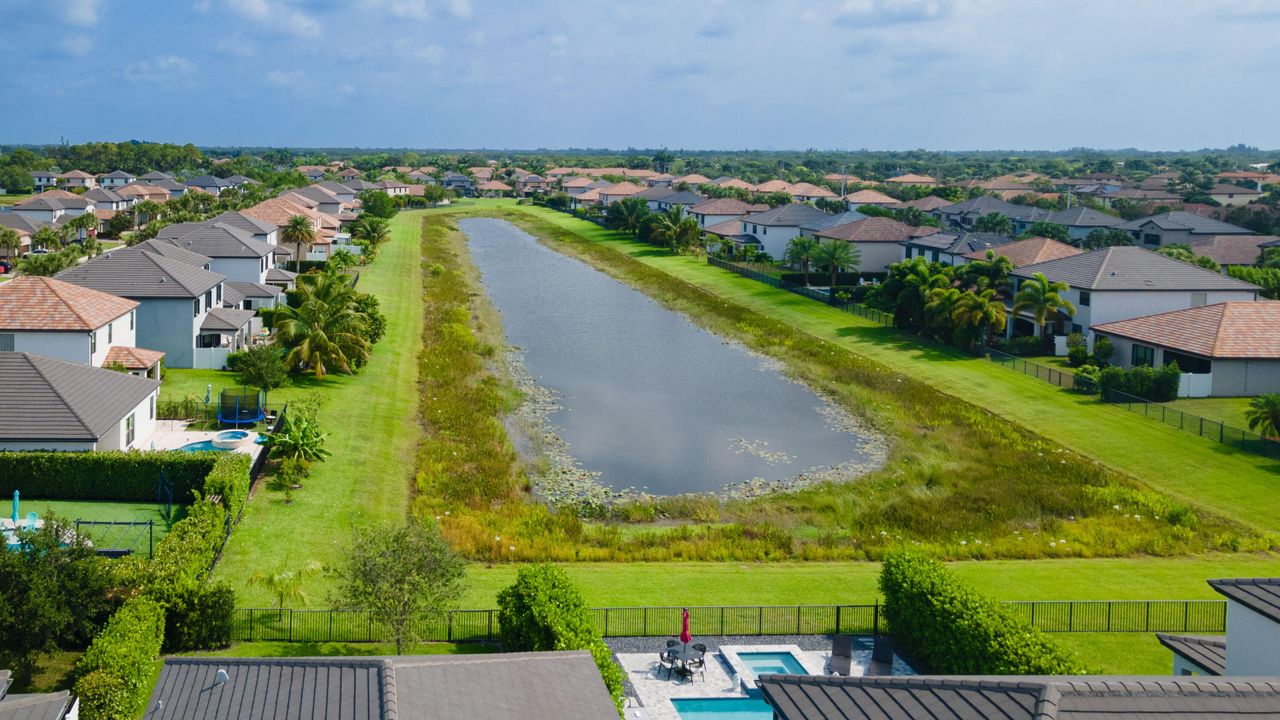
220 677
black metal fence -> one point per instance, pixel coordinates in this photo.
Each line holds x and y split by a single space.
877 316
288 625
195 410
1051 375
1194 424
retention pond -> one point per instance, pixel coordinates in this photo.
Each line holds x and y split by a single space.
633 398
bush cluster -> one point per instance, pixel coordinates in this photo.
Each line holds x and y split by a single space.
955 631
543 610
116 475
116 672
1142 381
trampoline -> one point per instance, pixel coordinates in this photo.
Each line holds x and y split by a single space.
240 406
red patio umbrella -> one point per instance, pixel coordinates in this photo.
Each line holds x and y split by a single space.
685 636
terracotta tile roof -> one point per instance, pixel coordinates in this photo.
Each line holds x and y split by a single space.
736 183
726 206
31 303
726 228
623 188
1233 249
913 179
1224 330
811 190
1029 251
575 182
875 229
769 186
927 203
76 175
692 179
837 177
1242 175
55 194
592 195
1226 189
869 197
493 185
143 190
133 358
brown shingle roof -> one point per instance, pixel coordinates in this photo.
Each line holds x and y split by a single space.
133 358
1223 330
1029 251
30 303
875 229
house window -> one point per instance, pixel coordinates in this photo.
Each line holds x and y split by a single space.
1084 298
93 342
128 430
152 406
110 332
934 256
1151 238
1199 299
131 319
1189 363
208 298
1143 355
219 293
6 342
1076 329
197 307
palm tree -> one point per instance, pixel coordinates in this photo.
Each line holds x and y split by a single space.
148 208
286 584
1263 415
82 224
10 241
994 270
940 311
326 331
299 232
982 311
371 229
1042 298
994 223
46 238
800 253
836 255
627 215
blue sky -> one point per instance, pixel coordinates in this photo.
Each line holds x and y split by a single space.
880 74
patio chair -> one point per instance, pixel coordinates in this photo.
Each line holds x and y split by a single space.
700 648
666 661
841 655
697 665
672 643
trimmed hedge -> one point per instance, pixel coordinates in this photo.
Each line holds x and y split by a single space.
114 475
116 672
229 477
187 552
199 617
543 610
956 631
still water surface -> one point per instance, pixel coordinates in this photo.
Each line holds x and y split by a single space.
647 398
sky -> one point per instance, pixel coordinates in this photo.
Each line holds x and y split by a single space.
682 74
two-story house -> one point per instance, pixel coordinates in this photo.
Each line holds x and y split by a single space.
773 229
619 191
878 240
46 316
459 183
1079 221
1251 647
1177 227
858 198
77 179
115 179
1118 283
208 183
718 210
257 229
950 247
44 179
232 253
530 184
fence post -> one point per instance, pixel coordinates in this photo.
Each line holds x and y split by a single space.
489 633
797 619
291 625
330 626
875 619
606 622
838 608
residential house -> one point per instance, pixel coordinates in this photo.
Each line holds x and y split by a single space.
1236 345
1062 697
493 189
928 203
318 198
500 686
589 197
35 706
1159 181
345 195
137 192
1258 179
858 198
115 179
1151 198
155 175
49 317
174 300
773 229
481 173
52 404
106 203
732 182
351 174
239 181
175 188
314 173
660 180
913 179
773 186
1233 249
1233 195
1251 647
840 178
459 183
877 239
49 208
356 186
392 187
1177 227
692 180
279 211
808 192
964 214
1118 283
416 176
257 229
1027 252
208 183
579 185
651 196
1079 221
531 184
77 179
232 253
619 191
717 210
951 247
25 229
44 179
849 216
683 199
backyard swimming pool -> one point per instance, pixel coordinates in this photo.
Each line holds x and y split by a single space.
779 663
747 708
223 442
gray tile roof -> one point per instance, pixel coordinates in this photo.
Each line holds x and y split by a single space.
798 697
1208 653
142 273
207 181
1131 268
45 706
280 275
226 319
231 297
48 399
681 197
531 686
1262 595
156 175
252 289
1182 220
248 223
168 184
173 252
100 194
217 240
959 243
1081 216
831 221
789 215
118 175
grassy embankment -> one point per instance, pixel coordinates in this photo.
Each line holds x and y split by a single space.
371 420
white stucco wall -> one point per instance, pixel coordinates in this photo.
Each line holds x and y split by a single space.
37 445
709 220
249 269
144 427
120 334
1253 642
1109 306
772 239
69 346
878 256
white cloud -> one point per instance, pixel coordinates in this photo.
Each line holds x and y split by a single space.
430 54
479 37
76 44
286 78
162 69
559 39
237 46
460 8
83 13
277 16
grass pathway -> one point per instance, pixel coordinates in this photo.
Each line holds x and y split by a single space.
1237 484
371 419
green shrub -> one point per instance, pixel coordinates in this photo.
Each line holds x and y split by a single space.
114 475
185 554
1086 379
229 478
1025 346
117 670
1102 352
1143 382
199 617
955 631
543 610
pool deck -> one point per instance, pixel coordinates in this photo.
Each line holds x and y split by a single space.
654 691
173 434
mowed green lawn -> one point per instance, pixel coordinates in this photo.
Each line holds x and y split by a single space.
371 421
1236 484
1229 410
13 198
135 537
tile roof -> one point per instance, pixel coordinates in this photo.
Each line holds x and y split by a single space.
30 303
736 183
174 252
247 223
959 243
43 706
1030 251
76 175
50 400
726 228
142 273
680 197
1131 268
215 240
875 230
1225 189
280 275
726 206
789 215
1082 216
157 175
207 181
623 188
1179 220
769 186
278 211
927 203
574 182
1222 330
799 697
1233 249
252 289
493 185
133 358
869 197
913 179
831 221
692 179
226 319
1207 653
1262 595
143 190
810 190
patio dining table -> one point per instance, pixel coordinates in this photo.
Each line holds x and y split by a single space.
683 655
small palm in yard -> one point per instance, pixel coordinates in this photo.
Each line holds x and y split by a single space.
286 583
300 233
836 255
300 439
1263 415
1042 297
800 253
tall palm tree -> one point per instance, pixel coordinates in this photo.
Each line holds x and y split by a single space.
918 279
800 253
994 223
1042 297
285 584
1263 415
82 224
46 238
627 215
147 208
326 331
298 232
981 311
10 241
836 255
939 311
373 230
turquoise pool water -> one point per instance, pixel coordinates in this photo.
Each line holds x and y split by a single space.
779 663
748 708
201 446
